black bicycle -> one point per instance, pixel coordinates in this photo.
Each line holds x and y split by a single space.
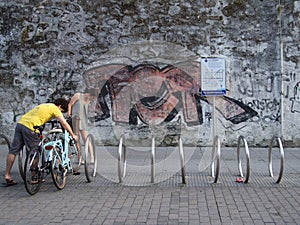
21 156
6 140
35 168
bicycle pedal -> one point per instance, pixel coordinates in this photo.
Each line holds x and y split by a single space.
34 180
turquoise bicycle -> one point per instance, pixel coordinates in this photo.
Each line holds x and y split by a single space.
67 157
57 156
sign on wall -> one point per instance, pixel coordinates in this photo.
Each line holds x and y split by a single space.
213 76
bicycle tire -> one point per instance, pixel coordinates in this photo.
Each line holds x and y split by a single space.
32 188
74 156
21 162
58 172
22 158
6 140
90 159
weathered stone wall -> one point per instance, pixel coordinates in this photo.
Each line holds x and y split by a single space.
47 45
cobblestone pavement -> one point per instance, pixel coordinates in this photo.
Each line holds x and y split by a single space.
167 200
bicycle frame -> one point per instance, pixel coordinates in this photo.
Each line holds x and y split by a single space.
52 147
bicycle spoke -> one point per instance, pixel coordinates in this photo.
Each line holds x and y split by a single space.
33 174
21 162
59 173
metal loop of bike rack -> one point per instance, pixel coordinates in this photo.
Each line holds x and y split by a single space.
281 158
216 154
153 160
241 138
121 161
182 160
181 153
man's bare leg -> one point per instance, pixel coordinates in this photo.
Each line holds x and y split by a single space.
9 163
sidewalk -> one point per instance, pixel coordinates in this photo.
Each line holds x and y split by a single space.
167 200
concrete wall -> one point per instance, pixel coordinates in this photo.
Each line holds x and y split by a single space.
46 47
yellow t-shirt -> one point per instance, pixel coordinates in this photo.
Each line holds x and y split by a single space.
39 115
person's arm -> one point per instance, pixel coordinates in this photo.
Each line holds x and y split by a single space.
65 125
72 102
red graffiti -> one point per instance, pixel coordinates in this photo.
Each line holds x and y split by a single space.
155 94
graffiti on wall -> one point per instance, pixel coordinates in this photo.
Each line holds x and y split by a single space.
296 99
268 109
251 85
259 92
263 94
153 93
292 91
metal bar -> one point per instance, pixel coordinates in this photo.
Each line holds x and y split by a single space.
216 153
281 151
182 160
153 160
120 171
241 138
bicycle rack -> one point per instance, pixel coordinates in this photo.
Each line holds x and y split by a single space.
216 154
241 138
281 151
122 164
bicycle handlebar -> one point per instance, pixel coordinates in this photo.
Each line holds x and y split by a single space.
56 122
41 127
53 123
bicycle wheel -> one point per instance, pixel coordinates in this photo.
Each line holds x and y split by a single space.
58 172
21 162
33 175
6 140
90 159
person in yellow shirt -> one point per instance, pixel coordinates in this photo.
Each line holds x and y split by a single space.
24 131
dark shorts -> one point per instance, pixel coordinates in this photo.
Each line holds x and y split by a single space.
24 137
